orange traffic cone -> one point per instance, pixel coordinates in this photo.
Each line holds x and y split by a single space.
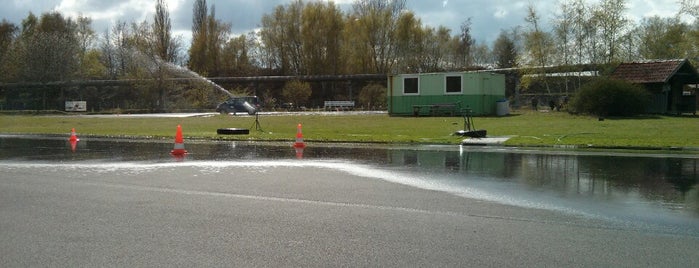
299 138
73 145
73 137
179 143
299 152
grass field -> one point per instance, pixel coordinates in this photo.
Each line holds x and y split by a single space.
527 128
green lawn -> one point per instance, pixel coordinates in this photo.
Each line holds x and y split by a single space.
526 128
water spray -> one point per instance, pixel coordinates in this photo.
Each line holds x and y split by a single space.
184 71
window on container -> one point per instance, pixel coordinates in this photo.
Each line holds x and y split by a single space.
453 84
410 85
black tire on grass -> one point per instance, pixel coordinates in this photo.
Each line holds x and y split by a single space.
232 131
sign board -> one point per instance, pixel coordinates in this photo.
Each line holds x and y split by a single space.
76 106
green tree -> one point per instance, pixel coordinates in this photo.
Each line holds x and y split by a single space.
409 44
608 97
8 32
436 46
209 40
663 38
46 50
357 56
92 67
217 35
321 31
505 51
423 49
84 33
373 96
236 58
50 46
376 25
198 47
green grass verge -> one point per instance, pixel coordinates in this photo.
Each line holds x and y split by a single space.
526 128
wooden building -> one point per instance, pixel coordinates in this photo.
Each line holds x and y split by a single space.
672 83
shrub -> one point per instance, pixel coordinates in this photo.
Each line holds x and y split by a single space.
373 95
608 97
297 92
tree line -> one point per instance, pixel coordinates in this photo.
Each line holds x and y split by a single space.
319 38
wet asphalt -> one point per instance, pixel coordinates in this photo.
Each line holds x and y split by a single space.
291 213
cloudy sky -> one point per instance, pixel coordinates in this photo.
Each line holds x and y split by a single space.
488 16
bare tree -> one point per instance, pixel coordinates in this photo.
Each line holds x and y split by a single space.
281 35
466 43
537 42
563 32
689 7
538 46
482 54
164 44
613 25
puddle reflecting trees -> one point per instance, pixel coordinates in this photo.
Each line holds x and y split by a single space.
667 182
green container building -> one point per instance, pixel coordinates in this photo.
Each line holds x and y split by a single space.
445 94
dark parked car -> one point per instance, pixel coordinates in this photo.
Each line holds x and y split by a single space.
249 104
287 106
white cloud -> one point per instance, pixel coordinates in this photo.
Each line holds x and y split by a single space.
500 13
131 10
649 8
488 16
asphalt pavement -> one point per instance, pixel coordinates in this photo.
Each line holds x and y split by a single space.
290 213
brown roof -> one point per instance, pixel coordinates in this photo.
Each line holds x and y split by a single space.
648 72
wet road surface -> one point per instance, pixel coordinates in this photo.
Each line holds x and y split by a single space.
310 212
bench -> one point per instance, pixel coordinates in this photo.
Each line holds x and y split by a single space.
436 109
338 105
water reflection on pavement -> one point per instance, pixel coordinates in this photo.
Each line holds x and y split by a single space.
643 190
